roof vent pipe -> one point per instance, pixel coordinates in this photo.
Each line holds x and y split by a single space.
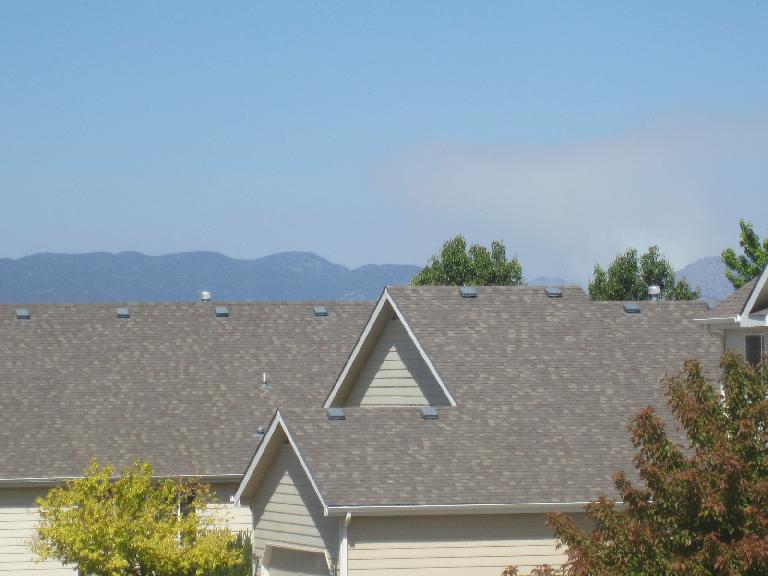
205 296
654 292
265 385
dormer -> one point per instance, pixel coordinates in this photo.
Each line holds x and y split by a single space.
388 366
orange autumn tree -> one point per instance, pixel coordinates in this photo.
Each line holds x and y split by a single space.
699 509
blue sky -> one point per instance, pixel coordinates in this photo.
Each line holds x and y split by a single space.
373 131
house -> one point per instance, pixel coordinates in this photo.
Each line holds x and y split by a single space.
428 433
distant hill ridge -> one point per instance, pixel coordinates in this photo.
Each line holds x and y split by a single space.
708 274
136 277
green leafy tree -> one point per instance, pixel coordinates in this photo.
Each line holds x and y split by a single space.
457 265
700 509
629 276
133 526
743 267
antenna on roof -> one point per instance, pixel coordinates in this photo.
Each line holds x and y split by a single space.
205 296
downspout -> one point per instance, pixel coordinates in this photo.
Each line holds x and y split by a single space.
343 546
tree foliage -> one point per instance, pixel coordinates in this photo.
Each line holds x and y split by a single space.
629 276
699 510
743 267
457 265
133 526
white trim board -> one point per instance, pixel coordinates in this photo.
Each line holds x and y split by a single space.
757 291
342 380
277 421
443 509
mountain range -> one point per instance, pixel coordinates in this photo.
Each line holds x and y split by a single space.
136 277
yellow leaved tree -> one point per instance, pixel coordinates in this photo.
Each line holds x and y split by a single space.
133 525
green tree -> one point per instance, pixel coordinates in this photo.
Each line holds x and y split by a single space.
629 276
457 265
742 268
698 509
133 525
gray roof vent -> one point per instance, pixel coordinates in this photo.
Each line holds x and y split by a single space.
22 314
222 312
336 414
260 431
654 292
467 292
205 296
122 313
631 307
553 292
321 311
429 413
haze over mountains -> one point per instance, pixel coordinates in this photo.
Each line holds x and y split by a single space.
136 277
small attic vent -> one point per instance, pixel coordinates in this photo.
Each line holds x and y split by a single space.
260 431
631 307
553 292
222 312
22 314
321 311
467 292
336 414
122 313
429 413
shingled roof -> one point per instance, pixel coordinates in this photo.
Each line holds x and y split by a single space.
172 384
544 389
733 305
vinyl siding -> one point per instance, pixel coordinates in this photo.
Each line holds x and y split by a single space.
19 516
288 513
450 545
237 518
735 339
18 520
395 374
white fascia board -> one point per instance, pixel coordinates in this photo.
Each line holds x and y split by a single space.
356 350
420 349
718 321
443 509
57 481
385 298
756 291
277 421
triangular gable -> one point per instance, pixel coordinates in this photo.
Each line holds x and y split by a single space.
388 366
758 299
275 438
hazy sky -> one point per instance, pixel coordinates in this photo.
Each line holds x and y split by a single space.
373 131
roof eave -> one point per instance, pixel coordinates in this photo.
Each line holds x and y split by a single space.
59 480
443 509
718 321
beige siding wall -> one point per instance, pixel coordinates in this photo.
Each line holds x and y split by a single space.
449 545
18 520
288 513
394 374
237 518
734 339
